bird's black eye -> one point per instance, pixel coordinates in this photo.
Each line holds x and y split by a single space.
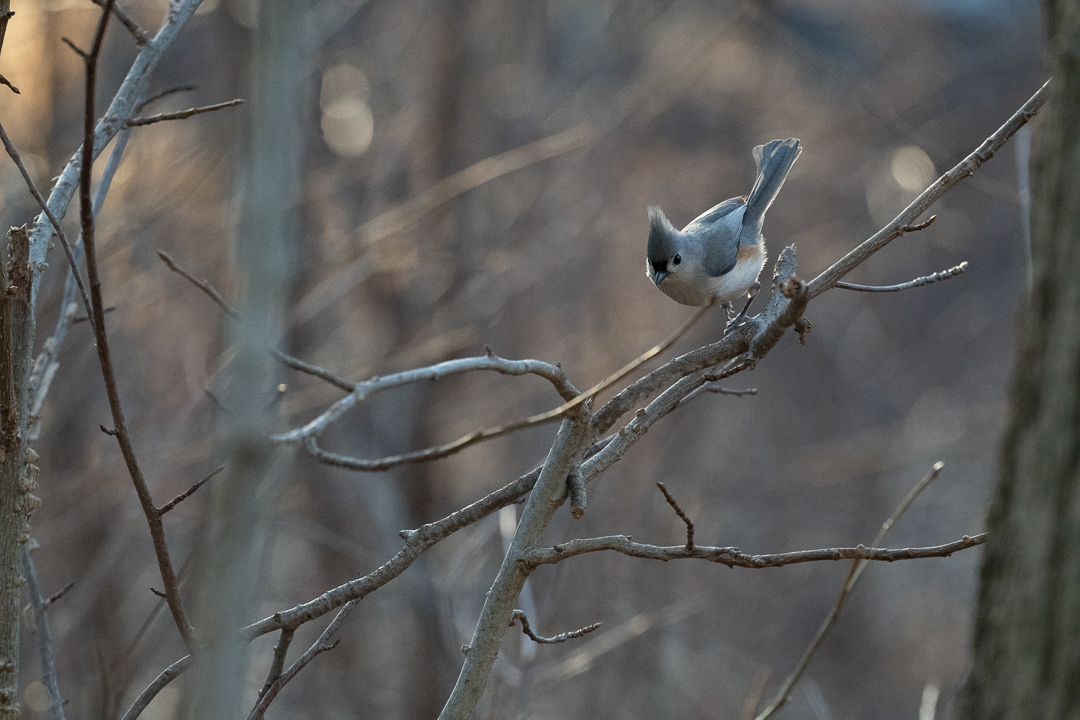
677 259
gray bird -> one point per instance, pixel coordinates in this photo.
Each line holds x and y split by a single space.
720 254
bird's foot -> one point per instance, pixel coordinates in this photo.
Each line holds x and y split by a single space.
741 317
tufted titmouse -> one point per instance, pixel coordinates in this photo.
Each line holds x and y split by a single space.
721 252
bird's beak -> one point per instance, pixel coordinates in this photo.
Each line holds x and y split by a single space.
658 277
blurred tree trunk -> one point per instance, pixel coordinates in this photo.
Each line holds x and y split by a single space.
1027 628
17 473
231 554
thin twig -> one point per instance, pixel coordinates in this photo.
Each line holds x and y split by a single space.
321 645
203 285
141 38
146 696
58 594
6 15
41 622
733 557
520 616
682 515
164 93
853 576
917 282
287 360
187 493
729 391
120 108
277 665
85 318
153 517
903 222
48 213
183 114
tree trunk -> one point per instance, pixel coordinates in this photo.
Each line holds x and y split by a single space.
18 474
1027 627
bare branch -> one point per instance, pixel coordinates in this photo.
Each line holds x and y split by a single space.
575 488
120 109
41 622
853 576
146 696
321 645
52 218
322 373
277 665
729 391
58 594
733 557
141 38
183 114
917 282
164 93
310 432
203 285
682 516
902 222
187 493
520 616
287 360
416 542
153 516
6 15
367 388
770 322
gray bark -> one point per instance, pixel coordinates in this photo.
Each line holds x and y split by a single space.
1027 628
18 474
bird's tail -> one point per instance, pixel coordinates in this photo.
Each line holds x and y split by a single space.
774 160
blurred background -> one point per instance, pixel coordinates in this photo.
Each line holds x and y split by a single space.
646 103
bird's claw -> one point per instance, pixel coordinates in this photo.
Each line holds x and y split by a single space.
740 319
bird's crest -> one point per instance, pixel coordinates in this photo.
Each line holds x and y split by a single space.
661 236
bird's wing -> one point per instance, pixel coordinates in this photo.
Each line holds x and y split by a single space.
708 218
717 231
